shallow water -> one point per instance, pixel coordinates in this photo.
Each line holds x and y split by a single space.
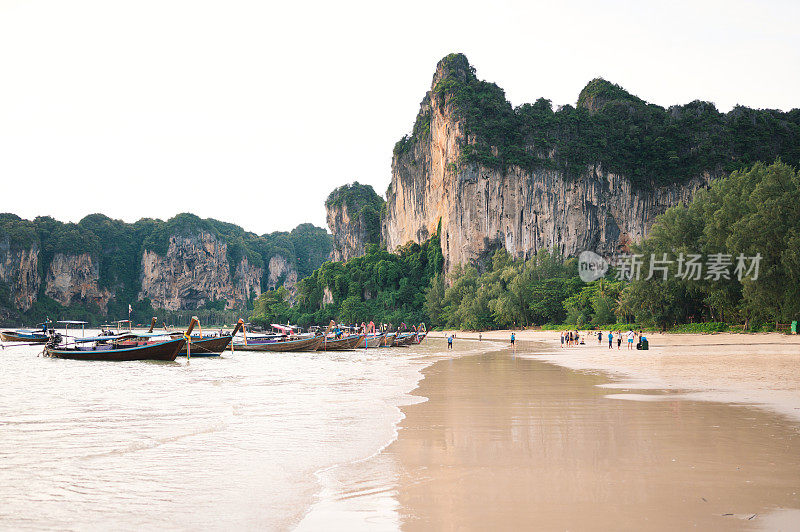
234 441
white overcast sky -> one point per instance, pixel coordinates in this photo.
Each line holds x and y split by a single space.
251 112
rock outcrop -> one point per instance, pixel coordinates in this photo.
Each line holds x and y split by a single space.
281 273
76 277
195 271
353 215
524 210
19 271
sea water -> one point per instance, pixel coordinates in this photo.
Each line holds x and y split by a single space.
238 441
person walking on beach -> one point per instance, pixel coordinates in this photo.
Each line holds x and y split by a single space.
619 340
631 336
562 339
450 342
599 337
610 340
480 337
512 339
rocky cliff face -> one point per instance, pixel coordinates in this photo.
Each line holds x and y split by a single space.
481 209
76 277
194 271
281 273
353 216
19 270
349 234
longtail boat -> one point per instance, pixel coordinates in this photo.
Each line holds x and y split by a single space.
405 338
311 343
33 337
198 345
209 346
388 339
344 343
106 348
370 340
122 347
420 334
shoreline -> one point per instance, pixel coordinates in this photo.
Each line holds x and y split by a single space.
754 369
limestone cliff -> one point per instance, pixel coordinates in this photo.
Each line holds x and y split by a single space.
281 273
19 271
76 278
195 271
436 177
353 215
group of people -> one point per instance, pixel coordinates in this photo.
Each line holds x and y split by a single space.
572 338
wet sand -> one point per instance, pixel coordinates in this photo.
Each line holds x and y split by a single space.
750 369
505 441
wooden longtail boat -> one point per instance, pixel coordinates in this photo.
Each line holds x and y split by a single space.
344 343
24 336
167 350
301 344
119 348
369 341
420 334
404 339
388 339
208 346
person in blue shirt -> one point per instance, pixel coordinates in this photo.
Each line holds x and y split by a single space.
512 339
610 340
450 342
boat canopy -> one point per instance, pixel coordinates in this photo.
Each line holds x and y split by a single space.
285 329
73 322
103 338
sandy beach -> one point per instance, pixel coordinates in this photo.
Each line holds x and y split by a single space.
508 439
749 369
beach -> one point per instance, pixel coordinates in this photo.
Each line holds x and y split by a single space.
508 439
760 370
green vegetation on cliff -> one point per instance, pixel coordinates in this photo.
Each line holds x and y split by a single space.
610 127
362 202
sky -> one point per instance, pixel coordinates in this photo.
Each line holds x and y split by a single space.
251 112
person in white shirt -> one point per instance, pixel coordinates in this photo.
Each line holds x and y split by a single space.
631 336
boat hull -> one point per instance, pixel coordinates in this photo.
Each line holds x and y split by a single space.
208 346
159 351
341 344
370 341
12 336
305 344
404 339
388 340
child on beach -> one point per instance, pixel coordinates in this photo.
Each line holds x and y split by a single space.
512 339
450 342
599 337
